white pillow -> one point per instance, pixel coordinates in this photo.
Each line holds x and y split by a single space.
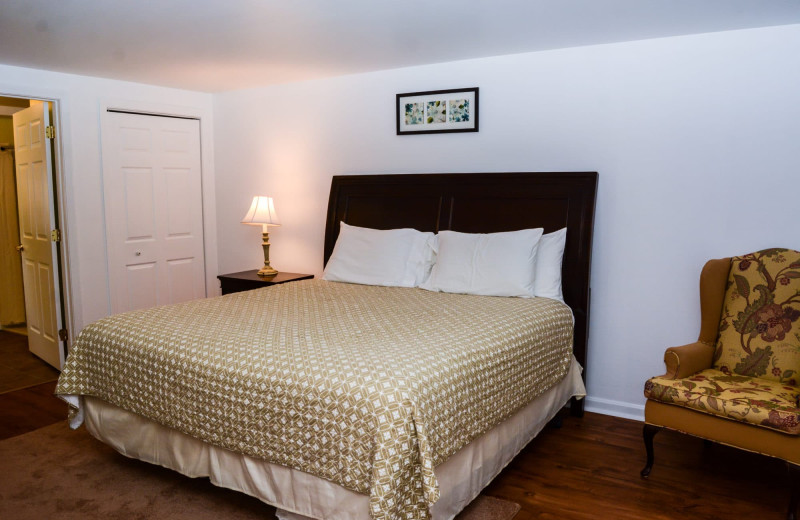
548 265
393 257
493 264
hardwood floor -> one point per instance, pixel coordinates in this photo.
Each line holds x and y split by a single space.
34 406
18 367
29 409
587 469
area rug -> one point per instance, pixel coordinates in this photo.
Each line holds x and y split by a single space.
55 472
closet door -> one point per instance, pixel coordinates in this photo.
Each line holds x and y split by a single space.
154 213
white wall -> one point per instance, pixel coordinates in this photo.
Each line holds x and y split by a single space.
81 101
696 140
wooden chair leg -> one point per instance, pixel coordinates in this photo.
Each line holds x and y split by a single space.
649 432
794 483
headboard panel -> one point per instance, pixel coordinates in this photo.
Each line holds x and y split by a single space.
480 203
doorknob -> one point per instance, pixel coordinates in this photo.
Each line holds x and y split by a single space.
20 248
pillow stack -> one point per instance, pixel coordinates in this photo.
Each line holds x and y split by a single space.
393 257
522 263
492 264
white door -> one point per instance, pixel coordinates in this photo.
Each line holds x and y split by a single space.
154 211
35 194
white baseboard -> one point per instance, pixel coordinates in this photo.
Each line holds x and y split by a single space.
615 408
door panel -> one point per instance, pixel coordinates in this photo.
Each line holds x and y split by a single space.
178 181
24 192
40 209
49 329
32 310
154 215
35 192
142 287
139 204
179 273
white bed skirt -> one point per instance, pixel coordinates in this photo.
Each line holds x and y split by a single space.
297 494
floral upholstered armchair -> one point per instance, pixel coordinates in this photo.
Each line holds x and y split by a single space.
738 383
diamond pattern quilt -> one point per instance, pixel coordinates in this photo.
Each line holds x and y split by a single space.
369 387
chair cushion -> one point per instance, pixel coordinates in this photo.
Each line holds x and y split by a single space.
753 400
759 332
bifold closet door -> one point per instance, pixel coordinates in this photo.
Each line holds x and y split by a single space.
154 212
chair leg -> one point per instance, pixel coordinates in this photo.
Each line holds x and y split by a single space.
649 432
794 483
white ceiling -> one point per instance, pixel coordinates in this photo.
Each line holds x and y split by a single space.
217 45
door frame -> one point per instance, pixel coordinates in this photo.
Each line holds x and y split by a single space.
64 287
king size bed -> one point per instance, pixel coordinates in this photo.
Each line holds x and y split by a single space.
336 400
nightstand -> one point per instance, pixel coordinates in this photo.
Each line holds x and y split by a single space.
249 280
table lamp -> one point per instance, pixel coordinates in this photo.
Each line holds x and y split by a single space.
262 212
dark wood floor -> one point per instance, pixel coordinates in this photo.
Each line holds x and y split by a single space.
22 411
18 367
34 406
587 469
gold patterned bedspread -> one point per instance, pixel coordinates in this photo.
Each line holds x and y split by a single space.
369 387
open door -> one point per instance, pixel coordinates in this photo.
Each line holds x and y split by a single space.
38 232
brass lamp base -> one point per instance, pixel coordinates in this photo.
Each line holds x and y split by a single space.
267 270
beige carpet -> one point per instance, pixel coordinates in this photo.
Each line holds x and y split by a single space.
54 472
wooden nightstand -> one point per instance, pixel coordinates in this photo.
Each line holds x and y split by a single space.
249 280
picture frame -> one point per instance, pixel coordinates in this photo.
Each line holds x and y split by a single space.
437 111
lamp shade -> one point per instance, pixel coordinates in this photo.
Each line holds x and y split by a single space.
262 212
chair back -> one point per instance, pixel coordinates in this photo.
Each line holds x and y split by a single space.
759 328
713 281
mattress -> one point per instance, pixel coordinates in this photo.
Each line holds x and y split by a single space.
367 387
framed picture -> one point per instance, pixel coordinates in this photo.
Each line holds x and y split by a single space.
437 111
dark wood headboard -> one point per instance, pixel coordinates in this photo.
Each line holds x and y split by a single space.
480 203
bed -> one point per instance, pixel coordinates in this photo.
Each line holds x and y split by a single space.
333 400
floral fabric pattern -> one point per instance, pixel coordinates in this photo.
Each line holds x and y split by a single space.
759 332
752 400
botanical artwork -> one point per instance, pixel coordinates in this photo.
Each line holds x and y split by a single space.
759 333
436 112
458 110
415 113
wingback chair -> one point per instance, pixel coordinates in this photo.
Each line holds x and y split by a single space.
738 383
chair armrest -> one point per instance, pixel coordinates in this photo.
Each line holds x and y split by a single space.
687 360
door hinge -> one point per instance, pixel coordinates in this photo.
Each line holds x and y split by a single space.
50 132
63 334
55 235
